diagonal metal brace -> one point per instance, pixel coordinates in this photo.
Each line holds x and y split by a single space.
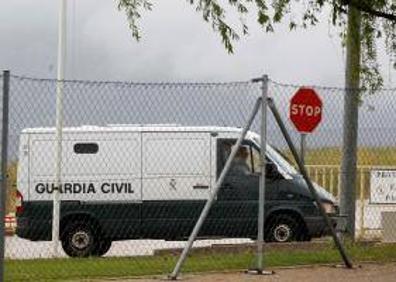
303 171
212 197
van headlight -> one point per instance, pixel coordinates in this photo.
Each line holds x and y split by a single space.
329 208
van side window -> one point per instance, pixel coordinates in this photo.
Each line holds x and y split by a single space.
86 148
242 163
247 161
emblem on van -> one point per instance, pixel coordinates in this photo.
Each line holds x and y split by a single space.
172 183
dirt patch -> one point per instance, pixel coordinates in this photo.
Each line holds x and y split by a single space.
367 272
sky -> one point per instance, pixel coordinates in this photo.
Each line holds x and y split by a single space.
177 45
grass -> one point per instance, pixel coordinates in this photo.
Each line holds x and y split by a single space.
91 268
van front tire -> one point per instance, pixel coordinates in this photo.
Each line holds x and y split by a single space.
281 229
79 240
102 247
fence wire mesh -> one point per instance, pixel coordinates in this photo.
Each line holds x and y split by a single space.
376 151
140 159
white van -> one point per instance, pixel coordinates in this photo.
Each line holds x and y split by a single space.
130 182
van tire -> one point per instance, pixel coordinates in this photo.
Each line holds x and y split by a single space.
79 240
281 228
102 247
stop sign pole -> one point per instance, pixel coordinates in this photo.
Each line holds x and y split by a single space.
303 144
305 112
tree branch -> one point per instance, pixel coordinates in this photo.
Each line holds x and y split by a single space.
364 7
340 7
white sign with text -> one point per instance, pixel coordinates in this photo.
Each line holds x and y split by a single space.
383 187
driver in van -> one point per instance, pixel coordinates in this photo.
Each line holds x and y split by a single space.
239 165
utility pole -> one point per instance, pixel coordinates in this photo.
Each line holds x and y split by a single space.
350 128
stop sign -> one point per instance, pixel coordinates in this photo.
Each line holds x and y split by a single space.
305 110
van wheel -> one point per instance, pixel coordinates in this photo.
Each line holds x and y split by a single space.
78 239
282 228
102 247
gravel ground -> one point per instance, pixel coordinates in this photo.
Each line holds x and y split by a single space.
367 272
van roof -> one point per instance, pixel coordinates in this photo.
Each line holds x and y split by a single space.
133 128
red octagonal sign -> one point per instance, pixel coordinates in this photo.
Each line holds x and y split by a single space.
305 110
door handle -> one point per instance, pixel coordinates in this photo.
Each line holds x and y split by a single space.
200 186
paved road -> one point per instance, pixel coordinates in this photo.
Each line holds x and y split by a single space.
17 248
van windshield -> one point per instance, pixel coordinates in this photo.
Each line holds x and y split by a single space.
280 160
277 158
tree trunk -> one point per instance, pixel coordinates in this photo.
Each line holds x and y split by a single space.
350 134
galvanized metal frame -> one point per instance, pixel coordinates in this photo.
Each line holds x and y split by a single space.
59 123
303 171
213 195
261 203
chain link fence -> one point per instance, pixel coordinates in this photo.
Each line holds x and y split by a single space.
376 152
139 160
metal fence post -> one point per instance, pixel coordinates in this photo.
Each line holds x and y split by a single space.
260 234
59 125
261 202
3 160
